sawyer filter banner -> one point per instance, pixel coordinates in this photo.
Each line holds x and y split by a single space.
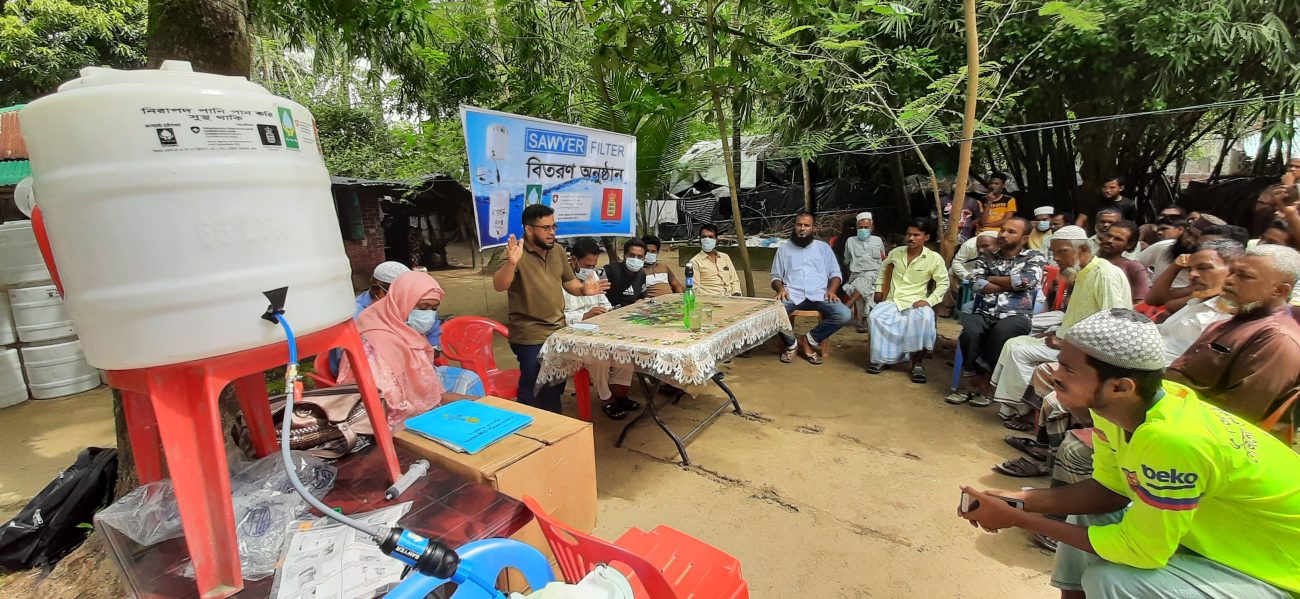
587 176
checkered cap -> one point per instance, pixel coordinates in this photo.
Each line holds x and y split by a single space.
389 271
1071 233
1120 337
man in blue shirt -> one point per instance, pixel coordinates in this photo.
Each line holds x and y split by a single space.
806 276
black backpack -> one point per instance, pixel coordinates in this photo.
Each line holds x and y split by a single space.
50 526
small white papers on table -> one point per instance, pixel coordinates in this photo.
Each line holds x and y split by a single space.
327 560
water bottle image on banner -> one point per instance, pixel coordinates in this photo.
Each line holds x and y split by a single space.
499 213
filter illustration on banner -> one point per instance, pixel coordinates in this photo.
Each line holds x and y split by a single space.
587 176
499 213
290 130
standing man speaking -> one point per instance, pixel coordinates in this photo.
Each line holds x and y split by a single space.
535 274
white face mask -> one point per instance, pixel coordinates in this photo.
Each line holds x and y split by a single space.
586 274
708 244
634 264
422 320
651 258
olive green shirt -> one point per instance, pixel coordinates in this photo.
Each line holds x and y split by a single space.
536 297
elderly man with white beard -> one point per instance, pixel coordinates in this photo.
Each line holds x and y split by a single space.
1098 285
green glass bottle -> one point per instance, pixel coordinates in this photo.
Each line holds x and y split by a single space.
688 298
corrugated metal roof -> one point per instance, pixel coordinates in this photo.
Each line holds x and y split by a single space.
11 141
13 171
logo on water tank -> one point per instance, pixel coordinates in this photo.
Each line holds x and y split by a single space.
269 134
289 126
166 136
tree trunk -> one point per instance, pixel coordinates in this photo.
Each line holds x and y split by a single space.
807 185
967 127
721 119
610 244
211 34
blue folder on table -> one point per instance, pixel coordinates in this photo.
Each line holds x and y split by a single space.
467 426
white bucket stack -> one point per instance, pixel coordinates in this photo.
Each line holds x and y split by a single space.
40 355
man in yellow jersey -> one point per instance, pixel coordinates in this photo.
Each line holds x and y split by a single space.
1213 503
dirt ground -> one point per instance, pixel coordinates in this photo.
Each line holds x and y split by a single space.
835 483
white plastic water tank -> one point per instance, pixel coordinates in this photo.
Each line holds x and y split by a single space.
39 315
172 200
20 258
58 369
7 333
13 389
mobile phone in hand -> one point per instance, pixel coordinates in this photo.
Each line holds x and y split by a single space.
969 503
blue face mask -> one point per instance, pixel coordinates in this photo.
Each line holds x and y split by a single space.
864 234
651 258
586 273
1043 225
708 244
634 264
422 320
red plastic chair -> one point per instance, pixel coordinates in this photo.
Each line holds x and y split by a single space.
468 340
661 564
582 380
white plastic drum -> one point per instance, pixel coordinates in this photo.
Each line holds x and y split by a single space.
39 315
172 200
13 390
7 333
20 259
58 369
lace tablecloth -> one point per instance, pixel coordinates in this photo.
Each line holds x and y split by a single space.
650 336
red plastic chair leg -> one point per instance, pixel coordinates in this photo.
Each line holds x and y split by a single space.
256 405
356 357
189 425
582 380
143 432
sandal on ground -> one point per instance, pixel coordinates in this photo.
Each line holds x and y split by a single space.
979 400
1022 468
875 368
862 328
958 397
1017 424
814 357
627 403
1044 541
787 355
613 410
918 375
1028 446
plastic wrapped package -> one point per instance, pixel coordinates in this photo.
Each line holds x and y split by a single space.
264 503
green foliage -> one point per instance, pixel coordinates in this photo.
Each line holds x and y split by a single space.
44 43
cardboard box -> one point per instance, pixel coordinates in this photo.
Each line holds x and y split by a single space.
552 460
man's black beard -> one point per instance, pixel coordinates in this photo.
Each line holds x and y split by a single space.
802 242
1177 249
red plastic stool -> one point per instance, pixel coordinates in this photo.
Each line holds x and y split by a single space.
582 380
175 407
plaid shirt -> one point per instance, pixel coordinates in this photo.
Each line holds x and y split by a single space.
1026 272
459 380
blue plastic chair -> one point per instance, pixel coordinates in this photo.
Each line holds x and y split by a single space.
486 559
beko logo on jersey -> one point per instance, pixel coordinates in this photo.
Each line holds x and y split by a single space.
1176 479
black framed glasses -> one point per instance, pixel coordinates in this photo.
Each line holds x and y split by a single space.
547 228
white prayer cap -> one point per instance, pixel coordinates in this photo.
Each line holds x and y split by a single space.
1120 337
1071 233
864 216
1044 211
988 234
389 271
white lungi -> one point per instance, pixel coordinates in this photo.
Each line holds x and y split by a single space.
895 335
1016 364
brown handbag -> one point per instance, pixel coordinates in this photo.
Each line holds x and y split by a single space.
327 423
